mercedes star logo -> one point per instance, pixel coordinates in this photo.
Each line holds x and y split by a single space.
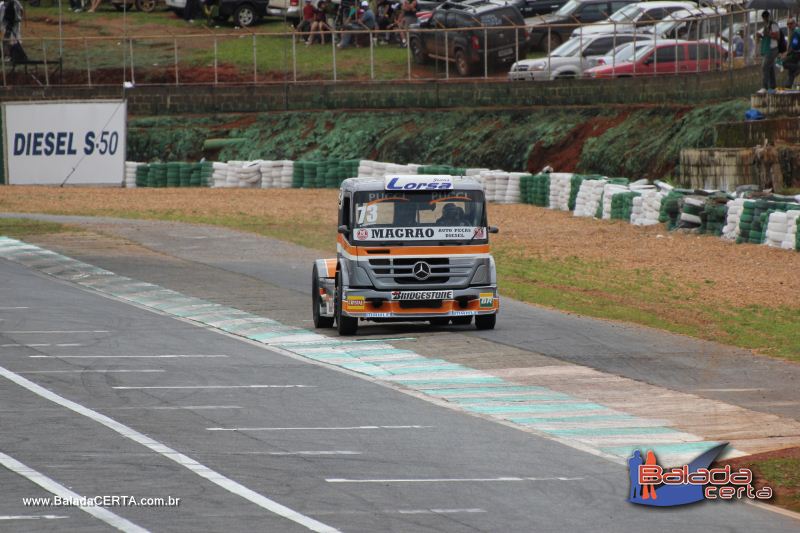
421 270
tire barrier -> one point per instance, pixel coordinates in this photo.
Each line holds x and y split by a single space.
759 219
163 175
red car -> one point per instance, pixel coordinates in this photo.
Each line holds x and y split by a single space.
665 57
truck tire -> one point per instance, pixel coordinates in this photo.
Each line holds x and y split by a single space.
245 16
462 64
461 320
486 321
345 325
146 6
319 320
420 57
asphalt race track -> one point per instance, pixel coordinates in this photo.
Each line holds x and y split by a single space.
105 389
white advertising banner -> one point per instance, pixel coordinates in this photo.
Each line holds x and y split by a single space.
72 142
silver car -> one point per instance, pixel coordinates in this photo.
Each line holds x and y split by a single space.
568 60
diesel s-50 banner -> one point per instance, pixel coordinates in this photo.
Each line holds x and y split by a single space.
72 142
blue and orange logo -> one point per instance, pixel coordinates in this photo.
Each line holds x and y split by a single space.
655 486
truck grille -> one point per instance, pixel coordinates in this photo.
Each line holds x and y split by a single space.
401 270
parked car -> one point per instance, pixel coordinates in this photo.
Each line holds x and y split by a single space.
634 17
244 12
545 36
568 60
528 8
620 54
146 6
467 48
690 24
666 57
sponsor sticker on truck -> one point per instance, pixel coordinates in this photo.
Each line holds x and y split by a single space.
458 233
417 183
422 295
486 299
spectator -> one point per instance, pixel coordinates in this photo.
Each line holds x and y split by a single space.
309 16
364 20
409 11
768 38
791 59
94 6
190 10
386 18
320 23
76 6
11 12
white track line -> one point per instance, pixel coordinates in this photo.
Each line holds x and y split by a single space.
171 454
33 517
57 331
318 428
121 356
218 387
452 480
320 452
89 370
56 488
12 308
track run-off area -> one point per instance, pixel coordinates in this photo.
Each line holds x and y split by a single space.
161 361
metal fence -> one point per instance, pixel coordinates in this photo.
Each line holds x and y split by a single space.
388 55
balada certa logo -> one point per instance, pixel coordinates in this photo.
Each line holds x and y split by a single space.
655 486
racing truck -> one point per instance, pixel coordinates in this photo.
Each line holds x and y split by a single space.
409 248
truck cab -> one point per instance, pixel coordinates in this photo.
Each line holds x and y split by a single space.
409 248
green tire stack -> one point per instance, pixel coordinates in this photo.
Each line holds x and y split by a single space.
142 172
758 226
525 189
622 205
298 173
746 221
797 237
670 212
714 217
184 174
206 174
540 190
173 174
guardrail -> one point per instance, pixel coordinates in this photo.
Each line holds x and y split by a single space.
263 58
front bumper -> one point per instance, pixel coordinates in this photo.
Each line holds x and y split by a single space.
528 75
370 304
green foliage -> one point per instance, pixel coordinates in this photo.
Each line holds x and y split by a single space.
646 144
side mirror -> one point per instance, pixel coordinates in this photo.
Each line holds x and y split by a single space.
343 229
494 229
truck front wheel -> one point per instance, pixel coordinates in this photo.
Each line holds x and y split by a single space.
319 320
485 321
346 325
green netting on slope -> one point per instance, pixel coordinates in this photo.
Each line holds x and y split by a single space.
441 169
622 205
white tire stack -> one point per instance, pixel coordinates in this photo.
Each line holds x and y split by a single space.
130 174
735 209
220 175
646 208
790 239
776 229
267 169
250 175
589 196
489 180
560 186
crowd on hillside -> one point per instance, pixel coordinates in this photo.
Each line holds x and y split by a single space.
321 18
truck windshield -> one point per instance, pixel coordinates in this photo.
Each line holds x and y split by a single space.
452 216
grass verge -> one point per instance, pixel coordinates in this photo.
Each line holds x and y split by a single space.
779 470
23 227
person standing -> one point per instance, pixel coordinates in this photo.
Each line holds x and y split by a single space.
791 59
769 38
11 12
